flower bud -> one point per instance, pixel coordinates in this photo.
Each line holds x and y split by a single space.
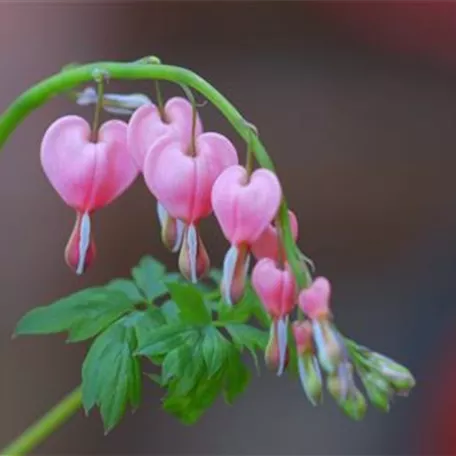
400 378
378 390
355 406
310 376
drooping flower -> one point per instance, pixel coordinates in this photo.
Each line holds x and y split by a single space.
276 288
182 179
244 206
268 244
308 367
87 175
314 302
146 126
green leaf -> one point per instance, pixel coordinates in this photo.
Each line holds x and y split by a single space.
191 304
185 365
251 338
215 349
111 377
149 276
190 407
170 312
147 324
237 377
167 338
128 287
83 314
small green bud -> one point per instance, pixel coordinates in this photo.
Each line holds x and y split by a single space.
355 406
378 390
400 378
310 376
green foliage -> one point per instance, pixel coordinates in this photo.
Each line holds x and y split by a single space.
192 338
83 314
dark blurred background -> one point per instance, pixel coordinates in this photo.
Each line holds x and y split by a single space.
357 104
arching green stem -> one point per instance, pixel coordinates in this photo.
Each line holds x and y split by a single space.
70 78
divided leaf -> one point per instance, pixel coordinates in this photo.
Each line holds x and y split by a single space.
251 338
149 276
237 377
111 376
128 287
83 314
190 301
215 349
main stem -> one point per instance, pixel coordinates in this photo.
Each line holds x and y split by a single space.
69 78
46 425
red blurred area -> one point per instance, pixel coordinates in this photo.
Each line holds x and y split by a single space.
423 29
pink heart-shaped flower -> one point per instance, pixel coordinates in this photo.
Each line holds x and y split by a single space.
85 174
314 301
182 183
146 126
267 245
275 287
245 206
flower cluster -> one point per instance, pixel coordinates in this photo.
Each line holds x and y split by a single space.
192 174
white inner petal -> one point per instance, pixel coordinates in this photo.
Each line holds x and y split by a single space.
192 243
84 241
282 340
229 266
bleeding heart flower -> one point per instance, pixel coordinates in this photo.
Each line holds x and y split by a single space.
276 288
146 127
314 302
267 245
182 179
244 206
87 175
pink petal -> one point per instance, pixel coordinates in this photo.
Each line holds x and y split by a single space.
146 126
302 332
275 287
267 245
243 207
183 183
87 175
314 301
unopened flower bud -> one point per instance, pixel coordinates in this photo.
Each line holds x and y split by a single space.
355 406
400 378
310 376
378 390
341 382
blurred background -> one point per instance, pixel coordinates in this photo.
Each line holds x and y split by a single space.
356 102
